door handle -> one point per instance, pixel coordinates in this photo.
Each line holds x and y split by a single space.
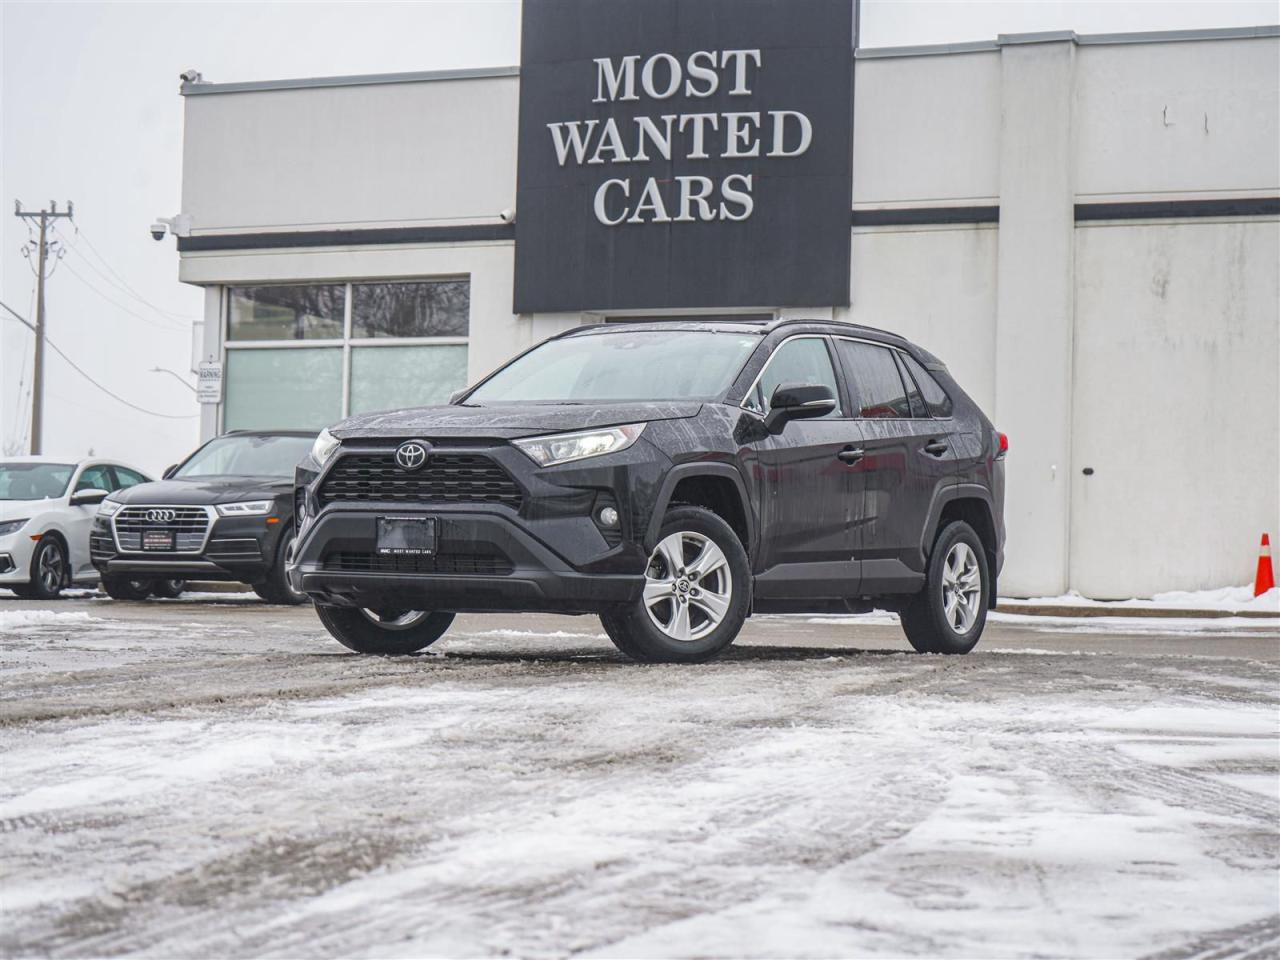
935 447
851 454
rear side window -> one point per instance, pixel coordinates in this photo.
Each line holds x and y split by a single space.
935 398
802 360
874 379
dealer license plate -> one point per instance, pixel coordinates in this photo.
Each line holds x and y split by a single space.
406 536
157 539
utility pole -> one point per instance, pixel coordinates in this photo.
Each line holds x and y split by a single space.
44 217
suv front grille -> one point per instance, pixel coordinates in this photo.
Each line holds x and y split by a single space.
446 478
491 564
189 526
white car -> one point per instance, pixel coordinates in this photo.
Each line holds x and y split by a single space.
47 507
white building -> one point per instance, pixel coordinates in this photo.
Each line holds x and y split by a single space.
1085 228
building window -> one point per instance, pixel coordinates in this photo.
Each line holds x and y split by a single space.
302 356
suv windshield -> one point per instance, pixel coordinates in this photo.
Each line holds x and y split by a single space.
626 365
34 481
247 455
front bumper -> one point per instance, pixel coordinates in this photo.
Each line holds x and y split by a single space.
484 561
15 558
235 549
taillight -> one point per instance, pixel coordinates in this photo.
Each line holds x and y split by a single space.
1004 445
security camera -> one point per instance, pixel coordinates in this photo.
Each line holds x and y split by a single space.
507 216
191 76
158 230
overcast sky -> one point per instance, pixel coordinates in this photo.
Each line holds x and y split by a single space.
91 113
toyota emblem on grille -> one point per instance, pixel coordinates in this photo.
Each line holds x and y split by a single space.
412 454
161 516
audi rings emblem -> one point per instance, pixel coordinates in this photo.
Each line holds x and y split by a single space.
162 516
412 454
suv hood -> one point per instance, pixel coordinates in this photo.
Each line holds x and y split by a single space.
202 491
506 422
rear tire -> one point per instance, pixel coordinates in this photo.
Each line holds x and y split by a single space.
122 588
696 596
949 614
168 589
275 587
50 571
394 632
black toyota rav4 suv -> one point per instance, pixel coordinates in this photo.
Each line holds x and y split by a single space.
671 477
224 513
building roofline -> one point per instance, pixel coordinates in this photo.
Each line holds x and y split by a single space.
203 88
1057 36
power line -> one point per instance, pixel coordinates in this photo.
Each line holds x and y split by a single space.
74 366
119 282
168 325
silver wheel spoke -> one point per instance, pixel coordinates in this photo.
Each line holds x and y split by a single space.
714 605
708 561
678 625
656 591
672 552
961 588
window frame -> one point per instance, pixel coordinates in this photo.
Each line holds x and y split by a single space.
346 343
837 370
898 364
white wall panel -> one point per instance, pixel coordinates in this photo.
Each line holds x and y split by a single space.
434 152
1176 405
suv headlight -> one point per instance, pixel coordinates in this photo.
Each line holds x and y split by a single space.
12 526
109 508
567 447
245 508
324 447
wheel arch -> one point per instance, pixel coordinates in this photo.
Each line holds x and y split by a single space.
972 504
716 486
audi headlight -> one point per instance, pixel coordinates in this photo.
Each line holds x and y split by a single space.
109 508
325 446
245 508
567 447
12 526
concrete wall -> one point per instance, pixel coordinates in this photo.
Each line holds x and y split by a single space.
402 154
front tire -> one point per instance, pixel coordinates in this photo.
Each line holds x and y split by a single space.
949 614
50 571
696 593
275 588
394 632
122 588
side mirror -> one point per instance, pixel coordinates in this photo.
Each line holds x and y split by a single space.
88 498
798 401
169 471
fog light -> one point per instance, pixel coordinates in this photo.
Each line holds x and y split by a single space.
608 517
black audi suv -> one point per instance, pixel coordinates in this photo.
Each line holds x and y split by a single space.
224 513
671 477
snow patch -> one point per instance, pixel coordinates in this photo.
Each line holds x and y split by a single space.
13 619
1229 599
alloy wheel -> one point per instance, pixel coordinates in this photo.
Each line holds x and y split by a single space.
688 586
961 588
52 568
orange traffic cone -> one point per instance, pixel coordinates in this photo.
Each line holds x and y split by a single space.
1266 579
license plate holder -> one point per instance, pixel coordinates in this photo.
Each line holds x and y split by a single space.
157 540
406 536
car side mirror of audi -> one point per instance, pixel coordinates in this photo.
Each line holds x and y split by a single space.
798 401
169 471
88 498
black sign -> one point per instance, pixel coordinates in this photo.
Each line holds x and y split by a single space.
684 153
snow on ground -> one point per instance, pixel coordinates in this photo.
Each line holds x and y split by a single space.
188 781
11 620
1230 599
